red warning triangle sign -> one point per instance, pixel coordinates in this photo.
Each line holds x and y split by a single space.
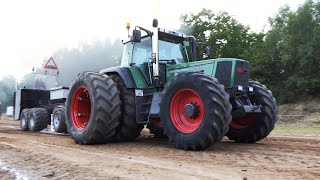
51 65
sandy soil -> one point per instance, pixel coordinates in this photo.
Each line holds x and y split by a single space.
26 155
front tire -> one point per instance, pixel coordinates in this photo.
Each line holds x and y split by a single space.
195 111
93 108
253 127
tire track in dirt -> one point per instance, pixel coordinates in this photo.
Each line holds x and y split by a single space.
86 158
59 158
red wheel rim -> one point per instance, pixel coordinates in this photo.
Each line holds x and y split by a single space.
242 122
80 108
179 119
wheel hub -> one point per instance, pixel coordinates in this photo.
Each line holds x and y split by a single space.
31 121
23 121
56 120
191 110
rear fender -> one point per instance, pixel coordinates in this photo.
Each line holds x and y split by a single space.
124 73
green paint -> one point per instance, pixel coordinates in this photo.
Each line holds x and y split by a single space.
138 78
232 73
234 63
205 66
208 67
214 68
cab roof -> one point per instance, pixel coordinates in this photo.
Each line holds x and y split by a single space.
166 35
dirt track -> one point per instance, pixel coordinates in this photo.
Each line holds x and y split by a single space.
42 156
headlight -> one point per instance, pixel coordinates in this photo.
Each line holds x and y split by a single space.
250 89
240 88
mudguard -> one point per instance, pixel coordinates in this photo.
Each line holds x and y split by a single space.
124 73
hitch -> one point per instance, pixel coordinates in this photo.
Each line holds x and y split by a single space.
242 107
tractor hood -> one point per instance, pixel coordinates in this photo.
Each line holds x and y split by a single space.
228 71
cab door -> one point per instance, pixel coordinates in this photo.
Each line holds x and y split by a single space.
141 58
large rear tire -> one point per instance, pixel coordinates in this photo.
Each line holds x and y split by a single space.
24 119
253 128
93 108
128 129
39 119
59 120
194 110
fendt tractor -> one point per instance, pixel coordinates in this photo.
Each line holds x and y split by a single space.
194 103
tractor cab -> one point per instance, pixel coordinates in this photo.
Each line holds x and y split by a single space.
152 54
171 45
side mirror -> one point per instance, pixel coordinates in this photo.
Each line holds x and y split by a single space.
136 36
208 51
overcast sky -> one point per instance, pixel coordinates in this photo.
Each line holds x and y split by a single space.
31 30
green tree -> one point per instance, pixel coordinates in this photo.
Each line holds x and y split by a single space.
266 61
223 33
7 87
290 53
28 81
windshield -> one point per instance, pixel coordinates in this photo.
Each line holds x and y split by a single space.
167 51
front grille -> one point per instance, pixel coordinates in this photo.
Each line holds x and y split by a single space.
223 72
241 76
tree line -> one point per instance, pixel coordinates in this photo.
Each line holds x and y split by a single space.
286 58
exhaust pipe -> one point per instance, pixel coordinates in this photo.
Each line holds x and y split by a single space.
155 52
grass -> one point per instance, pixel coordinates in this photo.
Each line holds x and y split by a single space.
293 130
4 117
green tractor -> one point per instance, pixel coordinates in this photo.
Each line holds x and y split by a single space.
159 84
